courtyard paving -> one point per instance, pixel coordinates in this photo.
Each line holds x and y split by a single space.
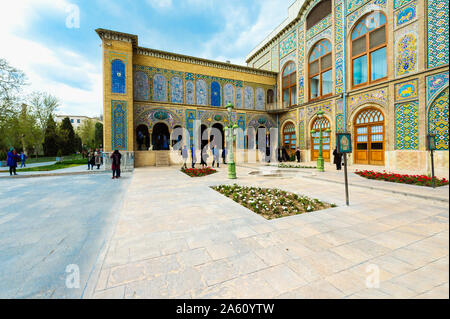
49 223
178 238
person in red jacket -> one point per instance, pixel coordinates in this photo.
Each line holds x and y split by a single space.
116 156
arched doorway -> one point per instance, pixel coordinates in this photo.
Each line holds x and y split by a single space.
369 137
160 137
175 139
142 137
222 135
289 139
320 125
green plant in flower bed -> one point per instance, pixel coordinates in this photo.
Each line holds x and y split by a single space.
271 203
281 165
420 180
198 172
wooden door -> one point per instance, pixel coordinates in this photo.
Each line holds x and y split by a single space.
369 137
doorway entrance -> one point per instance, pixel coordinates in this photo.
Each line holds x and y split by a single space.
160 137
369 137
142 137
320 125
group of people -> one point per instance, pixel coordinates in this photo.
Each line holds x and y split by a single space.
13 159
95 158
216 153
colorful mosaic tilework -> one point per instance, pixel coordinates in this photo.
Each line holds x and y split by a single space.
301 57
407 126
312 110
190 118
259 119
239 97
176 90
319 27
241 142
352 5
201 92
338 26
406 14
326 34
406 91
159 88
435 83
260 99
339 74
379 97
438 120
288 44
140 86
229 94
118 77
119 125
375 5
248 98
400 3
340 123
438 31
215 94
406 53
301 135
189 92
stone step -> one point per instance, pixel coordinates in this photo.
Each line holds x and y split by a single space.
162 159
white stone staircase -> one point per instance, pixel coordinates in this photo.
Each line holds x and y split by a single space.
162 158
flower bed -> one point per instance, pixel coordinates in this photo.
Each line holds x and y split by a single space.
420 180
198 172
281 165
270 202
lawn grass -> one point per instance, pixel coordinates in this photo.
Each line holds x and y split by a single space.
33 160
53 167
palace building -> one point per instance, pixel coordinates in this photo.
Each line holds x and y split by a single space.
378 69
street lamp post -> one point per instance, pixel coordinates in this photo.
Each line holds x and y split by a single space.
230 138
320 160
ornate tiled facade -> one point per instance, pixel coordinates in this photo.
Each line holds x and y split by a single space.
438 120
119 125
406 90
410 95
407 126
437 26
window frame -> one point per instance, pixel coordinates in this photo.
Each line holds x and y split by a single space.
289 86
320 72
368 51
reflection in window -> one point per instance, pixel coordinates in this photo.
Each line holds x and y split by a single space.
289 83
320 72
369 49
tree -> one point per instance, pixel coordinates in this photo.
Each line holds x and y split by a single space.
51 139
87 133
98 134
12 81
67 137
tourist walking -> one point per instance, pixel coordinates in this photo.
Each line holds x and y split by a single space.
116 156
297 154
216 157
337 159
193 156
98 158
204 157
224 156
91 160
23 158
184 155
13 158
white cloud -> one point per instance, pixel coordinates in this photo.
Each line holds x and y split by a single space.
163 4
41 63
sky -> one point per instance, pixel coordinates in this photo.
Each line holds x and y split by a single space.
55 44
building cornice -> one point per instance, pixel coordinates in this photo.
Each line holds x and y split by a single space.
203 62
118 36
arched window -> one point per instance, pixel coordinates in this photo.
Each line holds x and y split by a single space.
319 12
320 70
118 76
368 49
270 96
289 85
320 125
289 137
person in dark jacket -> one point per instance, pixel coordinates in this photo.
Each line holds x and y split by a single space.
23 158
297 154
13 158
224 156
193 156
337 159
116 156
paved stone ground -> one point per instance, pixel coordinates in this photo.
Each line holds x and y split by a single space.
50 222
178 238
